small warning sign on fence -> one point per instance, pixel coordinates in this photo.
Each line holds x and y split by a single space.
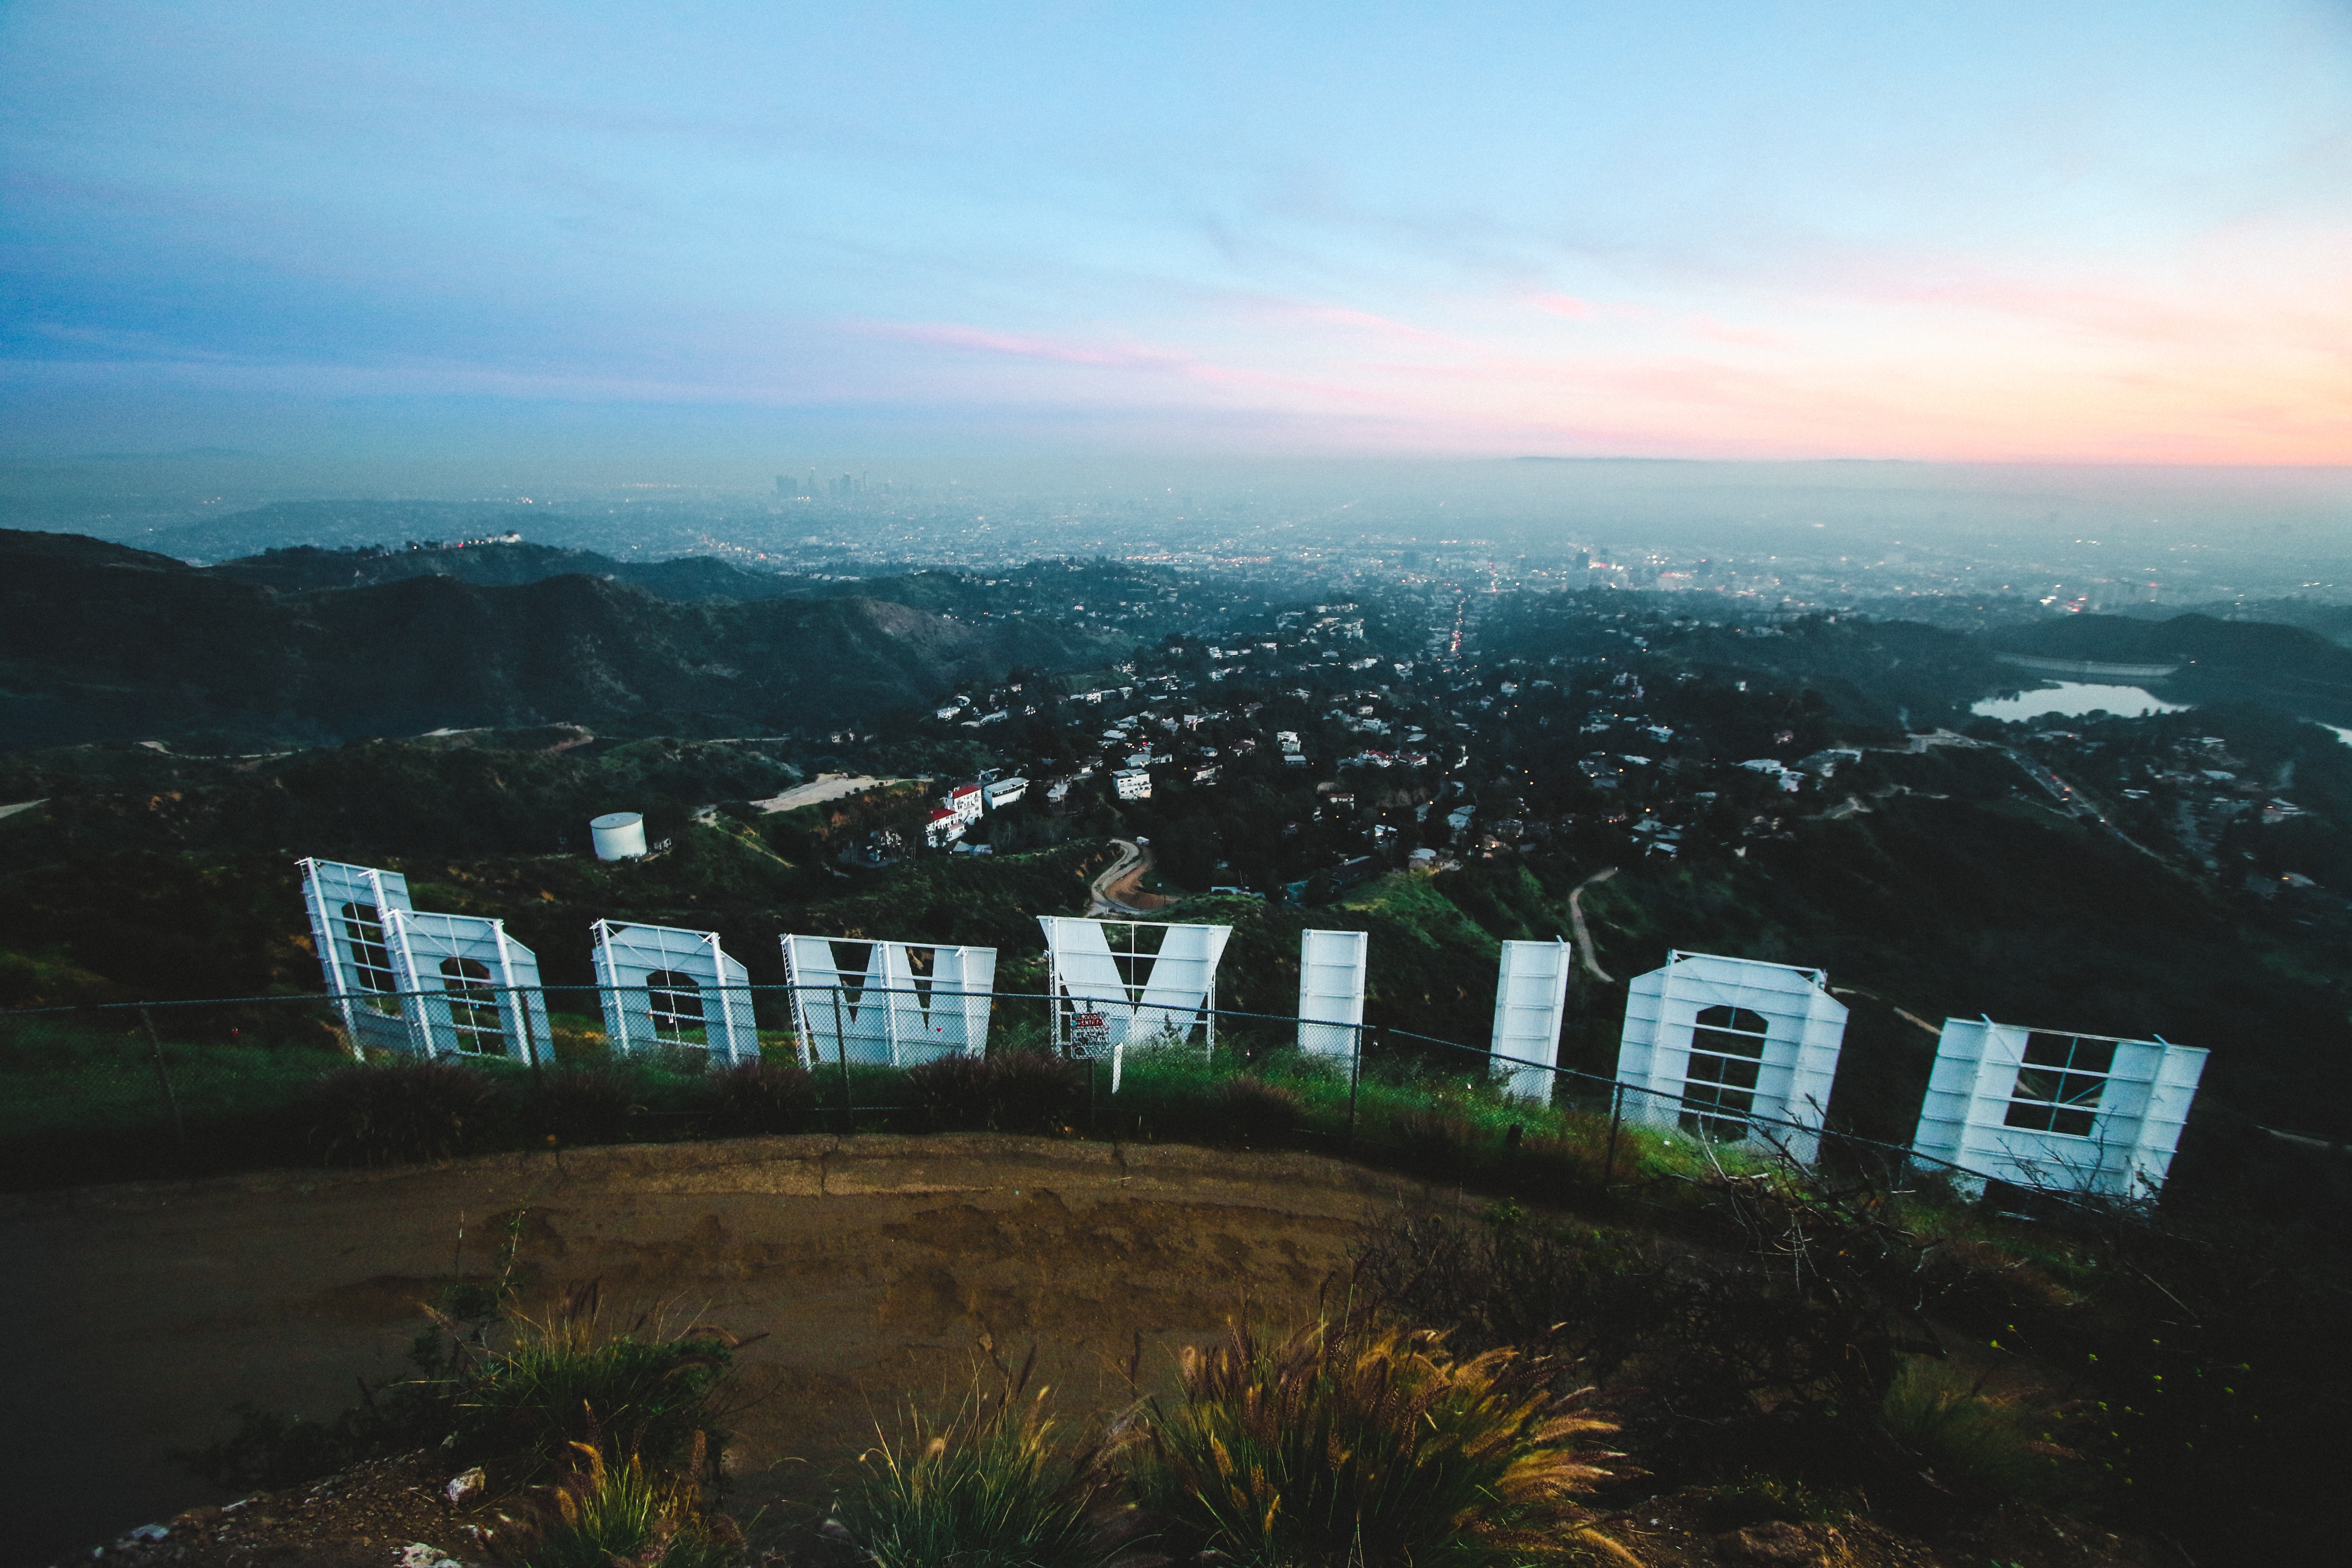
1089 1034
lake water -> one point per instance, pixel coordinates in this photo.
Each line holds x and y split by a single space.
2072 699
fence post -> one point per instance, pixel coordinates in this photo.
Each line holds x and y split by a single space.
520 1003
170 1097
840 1039
1616 1114
1355 1076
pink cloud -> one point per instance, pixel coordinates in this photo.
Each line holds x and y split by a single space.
1341 315
1563 305
1943 382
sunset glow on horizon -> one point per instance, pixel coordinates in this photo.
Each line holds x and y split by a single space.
1983 233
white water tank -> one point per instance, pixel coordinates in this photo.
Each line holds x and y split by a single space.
619 836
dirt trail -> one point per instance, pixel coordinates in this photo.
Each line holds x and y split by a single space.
1583 934
873 1264
1120 889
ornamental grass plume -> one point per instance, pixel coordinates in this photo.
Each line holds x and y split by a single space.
991 1487
522 1408
1355 1446
608 1515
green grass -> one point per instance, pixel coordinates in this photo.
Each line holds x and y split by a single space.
84 1105
1994 1442
563 1380
62 1078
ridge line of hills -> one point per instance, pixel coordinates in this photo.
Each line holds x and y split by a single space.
102 641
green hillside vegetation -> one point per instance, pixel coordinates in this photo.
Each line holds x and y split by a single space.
1878 674
101 643
353 524
303 567
2292 666
1977 902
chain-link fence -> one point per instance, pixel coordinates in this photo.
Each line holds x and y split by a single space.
122 1092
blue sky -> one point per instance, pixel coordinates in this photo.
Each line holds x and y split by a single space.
2090 232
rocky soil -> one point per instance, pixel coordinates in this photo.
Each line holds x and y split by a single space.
875 1266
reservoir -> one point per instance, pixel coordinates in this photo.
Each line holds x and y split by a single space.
2072 699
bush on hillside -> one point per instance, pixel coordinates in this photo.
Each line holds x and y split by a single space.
950 1093
1029 1091
584 1105
382 1113
1017 1091
991 1487
763 1096
1514 1279
1252 1113
1354 1444
522 1393
1434 1141
1996 1443
605 1513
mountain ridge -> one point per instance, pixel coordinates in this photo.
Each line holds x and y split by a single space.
106 642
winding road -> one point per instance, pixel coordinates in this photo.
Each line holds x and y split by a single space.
1116 891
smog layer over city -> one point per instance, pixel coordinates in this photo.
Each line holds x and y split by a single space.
1091 786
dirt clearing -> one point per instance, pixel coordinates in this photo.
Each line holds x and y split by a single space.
873 1265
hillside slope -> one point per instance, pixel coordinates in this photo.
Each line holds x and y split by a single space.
2290 666
500 565
99 642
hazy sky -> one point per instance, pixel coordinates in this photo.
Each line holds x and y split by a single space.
2069 231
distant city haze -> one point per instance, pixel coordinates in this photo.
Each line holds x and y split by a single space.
1888 537
633 244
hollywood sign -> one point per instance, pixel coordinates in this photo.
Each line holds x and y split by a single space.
1740 1050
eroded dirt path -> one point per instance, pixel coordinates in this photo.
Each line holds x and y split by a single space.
874 1264
1120 889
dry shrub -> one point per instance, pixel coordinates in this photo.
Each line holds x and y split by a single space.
381 1113
1435 1140
991 1487
1359 1445
604 1514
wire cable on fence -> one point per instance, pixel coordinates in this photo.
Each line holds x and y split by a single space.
1652 1110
